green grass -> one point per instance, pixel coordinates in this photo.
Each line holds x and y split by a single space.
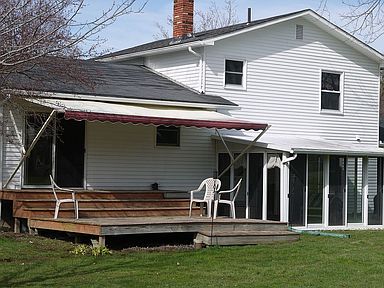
313 261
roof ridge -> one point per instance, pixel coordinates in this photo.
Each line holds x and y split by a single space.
195 36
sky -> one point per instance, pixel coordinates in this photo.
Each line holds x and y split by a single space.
138 28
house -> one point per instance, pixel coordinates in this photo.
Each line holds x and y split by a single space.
319 165
156 117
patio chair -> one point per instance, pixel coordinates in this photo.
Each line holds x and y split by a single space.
73 200
211 186
234 191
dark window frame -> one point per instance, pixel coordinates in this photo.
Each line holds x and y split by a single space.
234 73
167 129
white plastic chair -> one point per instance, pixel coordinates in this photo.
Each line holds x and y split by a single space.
67 200
211 186
234 191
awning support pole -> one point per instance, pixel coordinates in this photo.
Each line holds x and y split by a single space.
244 151
37 137
225 145
18 134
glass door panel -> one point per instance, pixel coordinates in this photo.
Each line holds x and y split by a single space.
70 153
315 189
255 201
273 187
297 185
240 172
375 191
355 190
224 162
337 168
38 165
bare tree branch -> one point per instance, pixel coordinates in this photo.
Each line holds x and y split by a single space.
47 35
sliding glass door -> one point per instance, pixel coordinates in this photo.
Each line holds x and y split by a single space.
375 191
315 189
337 173
355 190
297 191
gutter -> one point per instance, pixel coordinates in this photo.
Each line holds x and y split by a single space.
194 44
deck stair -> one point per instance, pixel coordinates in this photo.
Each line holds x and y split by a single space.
244 237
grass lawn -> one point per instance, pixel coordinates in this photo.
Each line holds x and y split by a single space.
313 261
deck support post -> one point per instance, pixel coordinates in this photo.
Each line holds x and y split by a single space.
101 241
98 243
16 226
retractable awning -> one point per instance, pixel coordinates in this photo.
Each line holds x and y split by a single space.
145 114
305 145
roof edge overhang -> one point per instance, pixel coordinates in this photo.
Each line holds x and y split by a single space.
351 152
379 152
309 15
162 50
114 99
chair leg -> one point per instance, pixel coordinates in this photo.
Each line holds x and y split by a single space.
76 209
233 210
57 210
190 209
209 212
215 209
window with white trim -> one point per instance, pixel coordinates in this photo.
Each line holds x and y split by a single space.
331 93
234 73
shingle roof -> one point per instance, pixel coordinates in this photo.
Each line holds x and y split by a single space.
120 81
197 36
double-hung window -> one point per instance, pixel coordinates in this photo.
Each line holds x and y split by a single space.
234 73
331 91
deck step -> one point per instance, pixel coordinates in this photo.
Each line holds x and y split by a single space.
105 203
226 238
106 212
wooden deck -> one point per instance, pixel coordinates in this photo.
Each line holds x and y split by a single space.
116 213
234 231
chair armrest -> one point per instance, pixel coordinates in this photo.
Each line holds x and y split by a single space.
65 190
227 191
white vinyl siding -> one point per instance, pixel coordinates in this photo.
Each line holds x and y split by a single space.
11 149
182 67
283 80
126 157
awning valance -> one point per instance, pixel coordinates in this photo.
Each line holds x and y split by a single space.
148 115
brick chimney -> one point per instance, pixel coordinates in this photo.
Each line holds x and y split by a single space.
182 17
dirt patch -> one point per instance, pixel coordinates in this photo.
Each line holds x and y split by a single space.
164 248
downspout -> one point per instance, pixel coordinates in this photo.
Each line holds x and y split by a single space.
289 159
190 50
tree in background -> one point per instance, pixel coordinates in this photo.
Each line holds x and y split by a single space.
362 18
214 17
46 35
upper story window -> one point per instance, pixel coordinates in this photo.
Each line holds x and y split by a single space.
331 91
168 136
234 73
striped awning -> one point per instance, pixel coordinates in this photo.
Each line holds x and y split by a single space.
145 114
